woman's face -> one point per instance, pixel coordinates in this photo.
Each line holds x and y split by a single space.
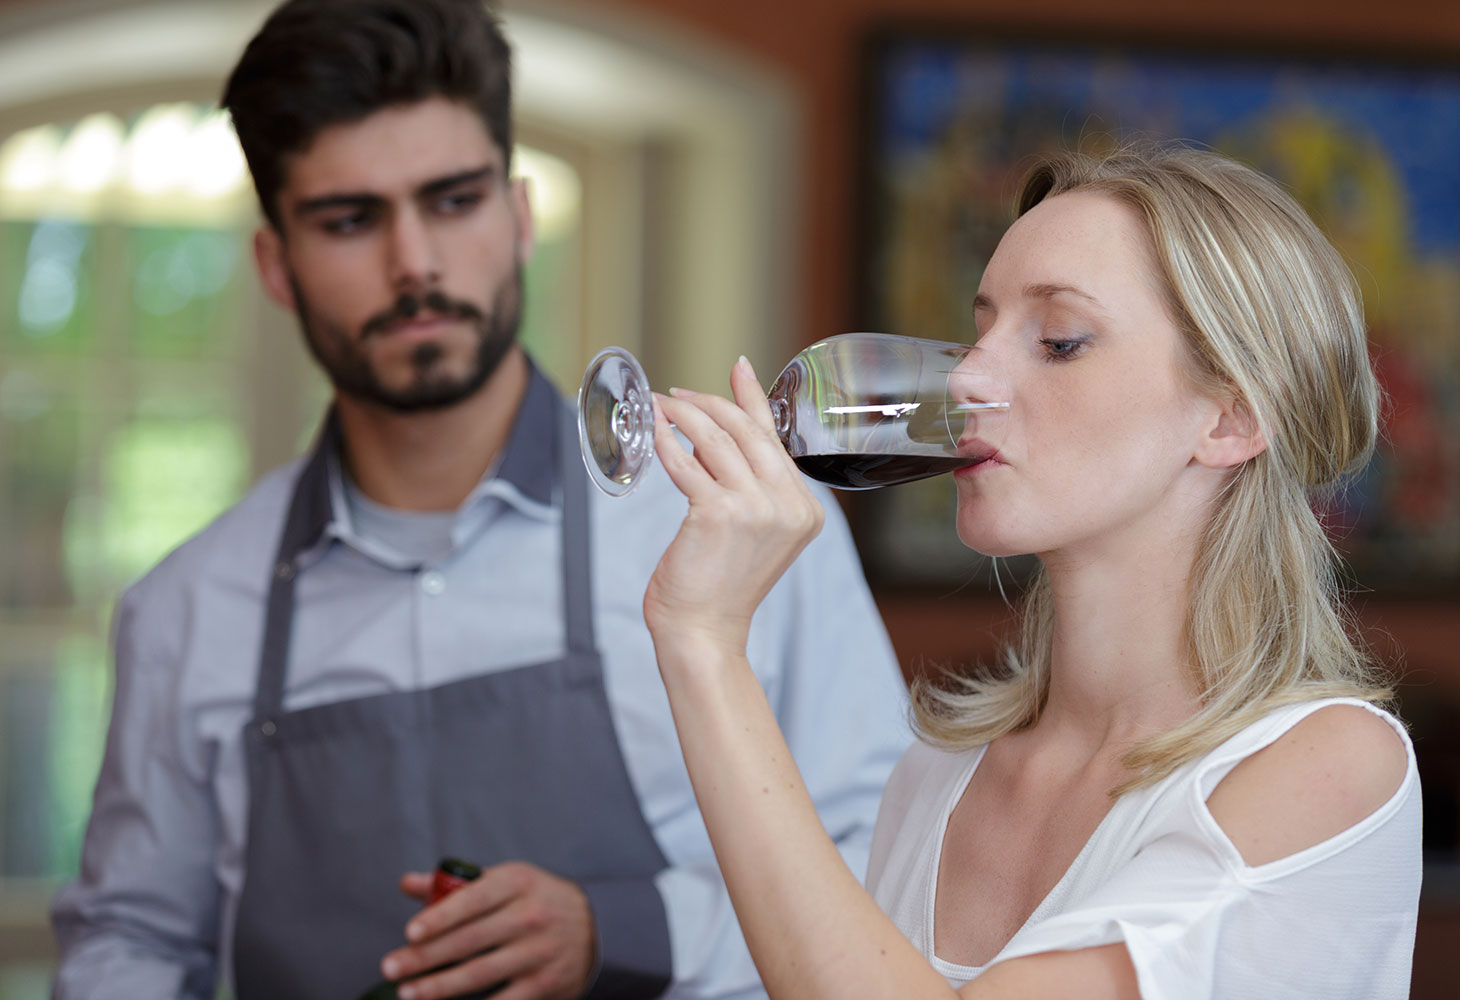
1098 452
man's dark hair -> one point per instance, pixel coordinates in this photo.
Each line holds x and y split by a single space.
318 63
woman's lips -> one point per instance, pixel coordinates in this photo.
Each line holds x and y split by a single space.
981 456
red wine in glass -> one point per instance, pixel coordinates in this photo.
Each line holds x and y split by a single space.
846 471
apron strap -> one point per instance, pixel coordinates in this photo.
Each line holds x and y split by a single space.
577 561
309 513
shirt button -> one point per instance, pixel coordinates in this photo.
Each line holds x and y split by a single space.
433 583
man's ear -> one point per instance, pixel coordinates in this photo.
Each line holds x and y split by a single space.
522 214
1232 436
268 254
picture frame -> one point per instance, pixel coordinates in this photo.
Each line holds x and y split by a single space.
1369 144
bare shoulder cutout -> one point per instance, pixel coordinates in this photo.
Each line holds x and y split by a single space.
1331 770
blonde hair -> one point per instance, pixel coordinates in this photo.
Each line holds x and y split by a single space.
1271 316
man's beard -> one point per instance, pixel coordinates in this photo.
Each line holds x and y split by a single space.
348 366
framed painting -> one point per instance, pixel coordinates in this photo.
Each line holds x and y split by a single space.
1369 146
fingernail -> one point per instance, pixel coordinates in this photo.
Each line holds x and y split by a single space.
390 968
406 992
676 392
744 362
414 932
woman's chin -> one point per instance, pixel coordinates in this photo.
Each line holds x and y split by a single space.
983 539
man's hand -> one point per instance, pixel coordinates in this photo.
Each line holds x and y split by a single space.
514 924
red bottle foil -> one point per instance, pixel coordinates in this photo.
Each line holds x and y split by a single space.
451 874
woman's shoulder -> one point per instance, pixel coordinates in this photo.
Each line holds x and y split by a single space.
1306 773
911 817
926 774
924 760
1286 859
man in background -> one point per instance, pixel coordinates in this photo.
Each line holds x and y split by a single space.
425 638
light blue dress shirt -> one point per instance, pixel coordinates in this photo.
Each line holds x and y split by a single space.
153 911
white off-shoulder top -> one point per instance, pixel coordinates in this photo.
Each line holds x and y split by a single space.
1335 920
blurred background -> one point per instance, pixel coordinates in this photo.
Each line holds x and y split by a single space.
710 179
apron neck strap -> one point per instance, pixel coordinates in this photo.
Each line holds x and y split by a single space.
309 513
577 556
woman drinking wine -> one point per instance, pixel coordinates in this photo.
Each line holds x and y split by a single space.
1179 783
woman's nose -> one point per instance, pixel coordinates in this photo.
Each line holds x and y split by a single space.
981 396
979 377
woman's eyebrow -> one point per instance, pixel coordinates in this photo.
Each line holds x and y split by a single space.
1049 290
1041 290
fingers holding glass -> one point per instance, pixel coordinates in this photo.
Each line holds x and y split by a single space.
683 469
715 449
737 448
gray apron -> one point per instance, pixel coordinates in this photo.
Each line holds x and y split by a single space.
520 764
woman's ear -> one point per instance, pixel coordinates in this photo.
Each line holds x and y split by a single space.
1232 437
268 254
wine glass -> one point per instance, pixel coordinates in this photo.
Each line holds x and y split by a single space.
856 411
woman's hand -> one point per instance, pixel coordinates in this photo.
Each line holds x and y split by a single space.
750 515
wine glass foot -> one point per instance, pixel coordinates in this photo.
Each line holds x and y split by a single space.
616 421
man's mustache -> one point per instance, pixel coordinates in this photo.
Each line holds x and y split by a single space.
409 305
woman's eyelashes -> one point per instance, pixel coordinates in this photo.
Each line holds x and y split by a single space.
1063 347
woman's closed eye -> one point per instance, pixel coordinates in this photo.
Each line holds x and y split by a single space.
1062 348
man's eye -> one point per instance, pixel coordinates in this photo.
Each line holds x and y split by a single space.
344 225
456 204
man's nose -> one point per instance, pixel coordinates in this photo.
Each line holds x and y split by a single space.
414 262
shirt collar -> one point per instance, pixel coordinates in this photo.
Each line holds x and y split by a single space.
530 460
528 467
